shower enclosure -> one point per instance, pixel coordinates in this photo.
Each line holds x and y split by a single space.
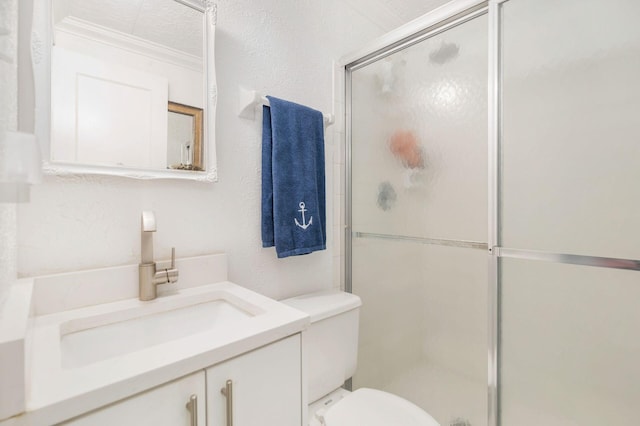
493 209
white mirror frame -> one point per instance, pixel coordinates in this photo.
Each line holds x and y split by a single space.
41 42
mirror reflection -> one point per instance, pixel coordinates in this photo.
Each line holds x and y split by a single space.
184 136
115 66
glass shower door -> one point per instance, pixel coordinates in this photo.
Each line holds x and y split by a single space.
419 221
570 315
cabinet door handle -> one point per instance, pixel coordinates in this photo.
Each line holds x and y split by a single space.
228 392
192 406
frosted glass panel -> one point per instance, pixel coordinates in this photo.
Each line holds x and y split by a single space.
419 169
419 138
571 130
423 326
570 346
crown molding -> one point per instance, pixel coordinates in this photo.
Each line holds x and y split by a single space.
88 30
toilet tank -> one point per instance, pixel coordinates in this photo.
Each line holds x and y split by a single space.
330 345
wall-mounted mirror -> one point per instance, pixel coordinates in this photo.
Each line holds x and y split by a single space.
130 86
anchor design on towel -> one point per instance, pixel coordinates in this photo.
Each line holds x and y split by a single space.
302 210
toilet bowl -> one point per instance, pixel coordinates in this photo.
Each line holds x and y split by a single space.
331 348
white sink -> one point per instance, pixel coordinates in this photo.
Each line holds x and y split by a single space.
95 338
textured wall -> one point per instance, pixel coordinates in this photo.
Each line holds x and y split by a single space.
8 121
284 48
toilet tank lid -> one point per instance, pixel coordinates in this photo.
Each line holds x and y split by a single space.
324 304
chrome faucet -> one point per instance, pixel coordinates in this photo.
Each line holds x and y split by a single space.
150 275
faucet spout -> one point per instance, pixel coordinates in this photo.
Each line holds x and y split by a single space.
146 237
148 221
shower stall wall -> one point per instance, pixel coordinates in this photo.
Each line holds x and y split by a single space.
493 161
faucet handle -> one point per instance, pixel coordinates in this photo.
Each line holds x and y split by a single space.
172 272
148 221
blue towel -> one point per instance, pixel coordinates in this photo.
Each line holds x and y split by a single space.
293 188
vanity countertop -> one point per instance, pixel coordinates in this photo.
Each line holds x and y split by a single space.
57 390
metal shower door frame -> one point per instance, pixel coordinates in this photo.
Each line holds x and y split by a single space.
452 14
442 19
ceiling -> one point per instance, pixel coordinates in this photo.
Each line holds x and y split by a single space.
390 14
175 25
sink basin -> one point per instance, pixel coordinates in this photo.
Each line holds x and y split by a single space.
95 338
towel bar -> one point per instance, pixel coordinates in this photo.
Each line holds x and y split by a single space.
249 99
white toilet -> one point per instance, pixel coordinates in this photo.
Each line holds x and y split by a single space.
331 347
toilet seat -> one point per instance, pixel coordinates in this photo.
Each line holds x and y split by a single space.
372 407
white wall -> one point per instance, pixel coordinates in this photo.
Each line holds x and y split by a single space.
8 121
283 48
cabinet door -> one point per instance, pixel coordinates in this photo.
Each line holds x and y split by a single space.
164 405
266 387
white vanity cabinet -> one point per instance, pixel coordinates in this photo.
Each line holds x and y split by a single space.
160 406
261 387
264 384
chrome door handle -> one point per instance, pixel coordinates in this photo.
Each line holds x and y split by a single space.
228 392
192 406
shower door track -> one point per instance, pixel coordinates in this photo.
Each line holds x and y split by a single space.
570 259
436 27
423 240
